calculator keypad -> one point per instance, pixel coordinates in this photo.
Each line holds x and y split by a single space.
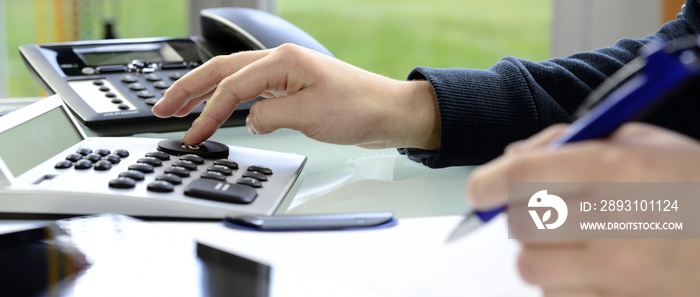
165 171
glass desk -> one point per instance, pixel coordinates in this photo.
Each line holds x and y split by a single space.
343 178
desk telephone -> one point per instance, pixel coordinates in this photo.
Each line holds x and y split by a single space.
111 85
49 168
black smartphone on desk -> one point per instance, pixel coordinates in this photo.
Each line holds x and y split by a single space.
111 85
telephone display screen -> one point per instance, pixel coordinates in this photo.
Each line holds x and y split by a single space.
42 137
122 54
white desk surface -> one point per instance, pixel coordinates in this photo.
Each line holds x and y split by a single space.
409 259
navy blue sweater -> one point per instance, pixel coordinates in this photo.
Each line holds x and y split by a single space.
481 111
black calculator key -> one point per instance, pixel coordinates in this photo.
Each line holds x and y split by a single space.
117 101
93 157
160 186
112 158
208 149
155 162
220 169
74 157
262 169
83 164
121 152
213 175
179 171
192 158
83 151
123 106
221 191
122 183
171 178
103 165
133 174
256 175
186 164
112 95
160 155
249 182
63 164
226 162
143 167
103 152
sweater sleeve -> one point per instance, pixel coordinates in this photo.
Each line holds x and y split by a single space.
481 111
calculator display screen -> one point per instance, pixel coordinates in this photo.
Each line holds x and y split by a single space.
37 140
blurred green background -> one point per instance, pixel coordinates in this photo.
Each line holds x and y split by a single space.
389 37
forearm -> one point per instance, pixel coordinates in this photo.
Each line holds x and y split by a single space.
482 111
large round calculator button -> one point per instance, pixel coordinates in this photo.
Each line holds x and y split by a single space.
112 158
155 162
121 152
122 183
262 169
179 171
83 151
133 174
208 149
145 168
228 163
171 178
248 181
110 95
186 164
220 169
123 106
93 157
160 186
151 101
74 157
192 158
128 78
103 165
88 71
98 82
83 164
104 89
117 101
63 164
160 155
213 175
256 175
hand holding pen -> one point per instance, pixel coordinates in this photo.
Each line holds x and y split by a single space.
664 72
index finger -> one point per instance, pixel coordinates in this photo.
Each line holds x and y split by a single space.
203 80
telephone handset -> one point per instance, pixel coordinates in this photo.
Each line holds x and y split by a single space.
111 85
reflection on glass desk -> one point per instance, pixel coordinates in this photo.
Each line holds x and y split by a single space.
344 178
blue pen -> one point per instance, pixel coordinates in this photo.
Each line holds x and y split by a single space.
669 68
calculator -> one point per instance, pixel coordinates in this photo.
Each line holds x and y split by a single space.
49 168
